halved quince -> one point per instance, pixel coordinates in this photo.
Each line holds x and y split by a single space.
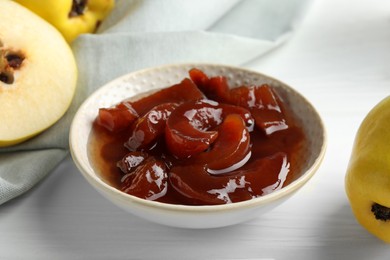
38 74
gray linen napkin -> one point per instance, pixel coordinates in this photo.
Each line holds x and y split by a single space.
146 33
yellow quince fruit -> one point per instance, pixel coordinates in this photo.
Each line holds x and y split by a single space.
367 180
71 17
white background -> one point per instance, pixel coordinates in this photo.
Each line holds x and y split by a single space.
340 60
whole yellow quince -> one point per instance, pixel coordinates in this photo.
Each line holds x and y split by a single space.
367 180
71 17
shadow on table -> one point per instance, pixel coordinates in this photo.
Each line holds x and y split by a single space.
345 238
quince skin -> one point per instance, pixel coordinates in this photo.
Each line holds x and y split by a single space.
71 17
367 180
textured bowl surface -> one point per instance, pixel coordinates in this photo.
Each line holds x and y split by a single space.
138 82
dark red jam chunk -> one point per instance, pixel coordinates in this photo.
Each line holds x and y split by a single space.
148 128
191 128
124 114
117 118
131 161
188 130
230 149
263 104
262 177
149 180
186 90
199 78
215 88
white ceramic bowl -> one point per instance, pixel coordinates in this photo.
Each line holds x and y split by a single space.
181 215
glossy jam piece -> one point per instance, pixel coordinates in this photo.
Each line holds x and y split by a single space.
199 78
184 91
125 113
261 100
262 177
231 149
131 161
149 180
148 128
117 118
215 88
184 141
218 89
264 106
189 128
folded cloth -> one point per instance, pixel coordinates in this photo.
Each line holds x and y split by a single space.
146 33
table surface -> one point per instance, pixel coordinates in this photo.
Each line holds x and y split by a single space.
339 59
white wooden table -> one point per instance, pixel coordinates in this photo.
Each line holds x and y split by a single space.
340 60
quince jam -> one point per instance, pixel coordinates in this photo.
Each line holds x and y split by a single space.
199 142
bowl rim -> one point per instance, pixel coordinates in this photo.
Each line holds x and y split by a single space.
94 179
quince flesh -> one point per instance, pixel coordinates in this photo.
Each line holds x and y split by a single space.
367 180
71 17
38 74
